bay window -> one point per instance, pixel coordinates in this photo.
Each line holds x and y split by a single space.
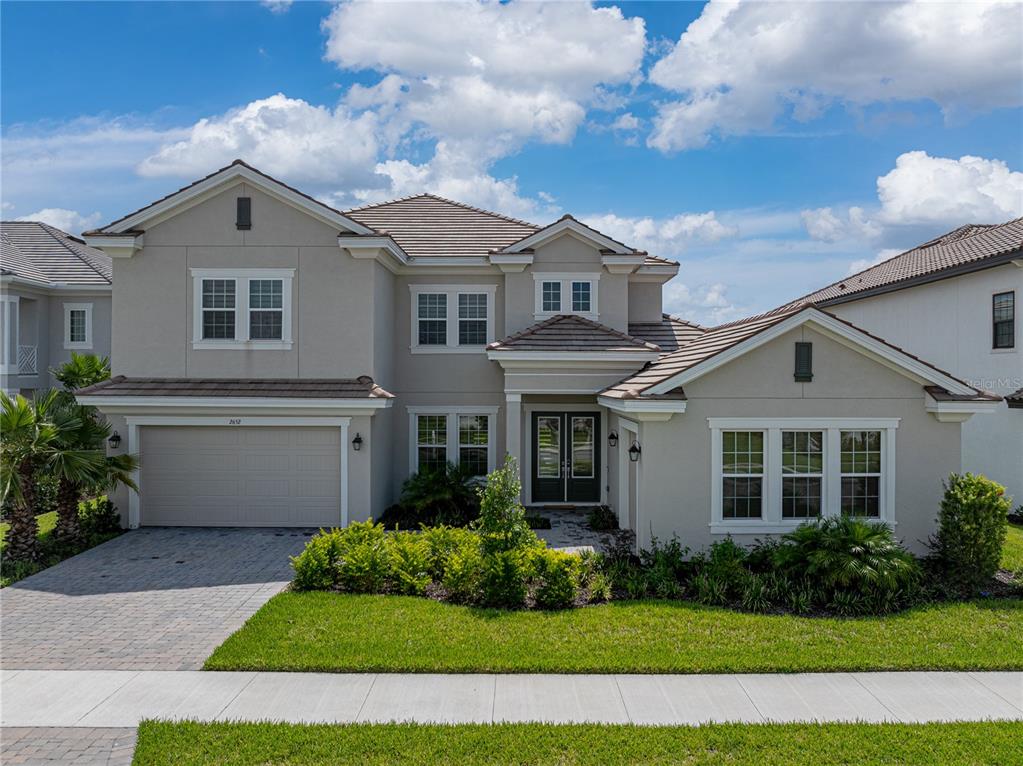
242 308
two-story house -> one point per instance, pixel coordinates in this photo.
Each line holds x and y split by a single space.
55 300
953 301
278 362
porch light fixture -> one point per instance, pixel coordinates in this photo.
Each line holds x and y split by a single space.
115 440
357 442
612 439
634 452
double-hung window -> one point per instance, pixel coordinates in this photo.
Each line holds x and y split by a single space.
770 475
452 318
242 308
77 325
463 436
566 294
1003 329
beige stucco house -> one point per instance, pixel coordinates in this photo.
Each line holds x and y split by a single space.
278 362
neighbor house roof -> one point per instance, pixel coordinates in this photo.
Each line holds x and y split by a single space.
968 248
42 253
565 333
430 226
671 333
1015 399
362 387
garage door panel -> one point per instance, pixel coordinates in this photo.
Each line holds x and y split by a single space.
243 476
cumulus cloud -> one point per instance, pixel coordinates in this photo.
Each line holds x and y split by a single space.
277 6
70 221
662 236
705 304
740 66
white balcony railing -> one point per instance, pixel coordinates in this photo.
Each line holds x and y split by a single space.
27 360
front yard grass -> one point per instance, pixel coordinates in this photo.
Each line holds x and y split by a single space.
331 632
234 744
1012 550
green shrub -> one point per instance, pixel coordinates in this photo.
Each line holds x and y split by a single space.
972 525
463 571
848 555
441 544
409 563
603 519
598 588
634 581
98 516
755 593
555 577
710 589
502 523
535 521
503 578
316 566
365 565
445 496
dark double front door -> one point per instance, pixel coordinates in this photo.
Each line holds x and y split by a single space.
566 461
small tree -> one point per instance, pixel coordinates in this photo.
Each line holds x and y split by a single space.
972 525
502 523
81 371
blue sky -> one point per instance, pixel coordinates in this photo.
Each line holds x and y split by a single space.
770 148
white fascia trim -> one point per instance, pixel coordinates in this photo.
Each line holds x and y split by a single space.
622 264
48 288
660 273
958 412
512 263
114 246
836 330
251 402
369 247
639 357
568 225
644 410
222 178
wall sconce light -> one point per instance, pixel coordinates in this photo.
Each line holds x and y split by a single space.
612 439
115 440
357 442
634 452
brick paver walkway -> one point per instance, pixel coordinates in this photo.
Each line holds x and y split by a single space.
152 599
74 747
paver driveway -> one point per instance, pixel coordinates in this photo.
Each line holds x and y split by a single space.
152 599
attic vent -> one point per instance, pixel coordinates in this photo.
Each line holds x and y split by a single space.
804 362
244 218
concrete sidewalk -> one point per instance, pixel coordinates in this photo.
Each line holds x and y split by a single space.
123 698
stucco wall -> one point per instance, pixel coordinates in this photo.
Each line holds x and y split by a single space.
675 469
645 301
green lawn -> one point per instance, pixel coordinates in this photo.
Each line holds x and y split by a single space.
331 632
1012 551
465 745
46 522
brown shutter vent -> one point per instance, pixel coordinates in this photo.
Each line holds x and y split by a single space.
804 362
244 218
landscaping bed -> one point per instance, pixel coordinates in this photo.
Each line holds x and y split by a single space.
334 632
240 744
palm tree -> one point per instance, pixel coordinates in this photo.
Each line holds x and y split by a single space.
77 461
83 370
30 436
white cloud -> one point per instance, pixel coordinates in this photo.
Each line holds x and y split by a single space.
70 221
277 6
740 66
865 263
706 304
662 236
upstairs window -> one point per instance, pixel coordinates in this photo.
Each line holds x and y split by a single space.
452 319
472 319
242 308
433 319
1003 307
566 294
78 325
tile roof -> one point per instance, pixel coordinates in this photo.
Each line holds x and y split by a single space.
969 245
44 253
292 388
572 333
429 226
1015 399
671 333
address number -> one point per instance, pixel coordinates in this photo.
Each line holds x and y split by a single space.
234 421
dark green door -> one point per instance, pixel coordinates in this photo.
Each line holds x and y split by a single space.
566 464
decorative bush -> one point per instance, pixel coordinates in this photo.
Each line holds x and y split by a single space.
446 496
409 563
555 577
463 571
98 516
503 578
441 544
316 566
365 562
502 523
603 519
972 524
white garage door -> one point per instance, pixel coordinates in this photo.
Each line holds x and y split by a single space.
245 476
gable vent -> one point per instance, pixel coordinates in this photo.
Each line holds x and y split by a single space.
244 218
804 362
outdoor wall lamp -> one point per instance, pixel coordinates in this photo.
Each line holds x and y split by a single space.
612 439
357 442
634 452
115 440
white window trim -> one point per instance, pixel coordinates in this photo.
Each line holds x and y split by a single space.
452 292
241 278
87 308
771 520
452 414
566 279
11 307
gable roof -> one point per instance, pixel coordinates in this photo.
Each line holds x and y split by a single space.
129 224
968 248
42 253
426 225
719 344
671 333
567 333
568 223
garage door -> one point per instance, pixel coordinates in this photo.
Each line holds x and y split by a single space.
240 477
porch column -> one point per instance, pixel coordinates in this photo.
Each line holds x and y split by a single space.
513 427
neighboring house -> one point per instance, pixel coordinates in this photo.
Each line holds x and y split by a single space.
55 300
279 362
955 301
